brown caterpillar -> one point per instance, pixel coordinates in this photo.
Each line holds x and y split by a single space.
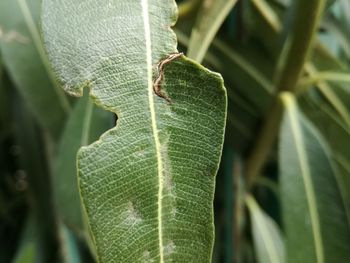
157 82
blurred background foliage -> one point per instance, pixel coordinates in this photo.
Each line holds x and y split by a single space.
283 189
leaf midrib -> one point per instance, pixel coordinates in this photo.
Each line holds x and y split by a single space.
145 13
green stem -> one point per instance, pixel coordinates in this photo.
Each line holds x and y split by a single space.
187 8
264 143
296 50
323 76
87 123
299 43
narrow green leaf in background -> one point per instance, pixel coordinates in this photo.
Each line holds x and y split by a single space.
24 58
337 133
313 210
148 184
210 17
37 172
268 13
267 237
85 124
28 249
27 255
70 250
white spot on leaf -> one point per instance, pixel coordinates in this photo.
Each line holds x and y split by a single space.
132 217
169 248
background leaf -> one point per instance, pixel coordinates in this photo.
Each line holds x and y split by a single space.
24 58
211 15
29 247
37 175
313 209
267 237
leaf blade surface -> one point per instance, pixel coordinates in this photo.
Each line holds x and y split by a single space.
310 189
267 237
148 184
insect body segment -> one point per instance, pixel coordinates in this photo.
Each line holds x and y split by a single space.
157 82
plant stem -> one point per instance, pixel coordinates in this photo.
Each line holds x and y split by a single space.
187 8
238 206
296 50
264 143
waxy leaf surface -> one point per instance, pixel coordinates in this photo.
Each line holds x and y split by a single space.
313 209
147 185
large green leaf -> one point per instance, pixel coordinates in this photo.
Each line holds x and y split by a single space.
26 62
210 18
147 185
267 237
313 210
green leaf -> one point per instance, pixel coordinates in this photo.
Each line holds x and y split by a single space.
29 249
313 209
268 14
330 93
210 18
27 254
33 160
85 125
70 249
338 33
267 237
26 63
147 185
337 134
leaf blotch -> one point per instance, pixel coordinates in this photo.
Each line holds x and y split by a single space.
132 217
169 248
146 257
